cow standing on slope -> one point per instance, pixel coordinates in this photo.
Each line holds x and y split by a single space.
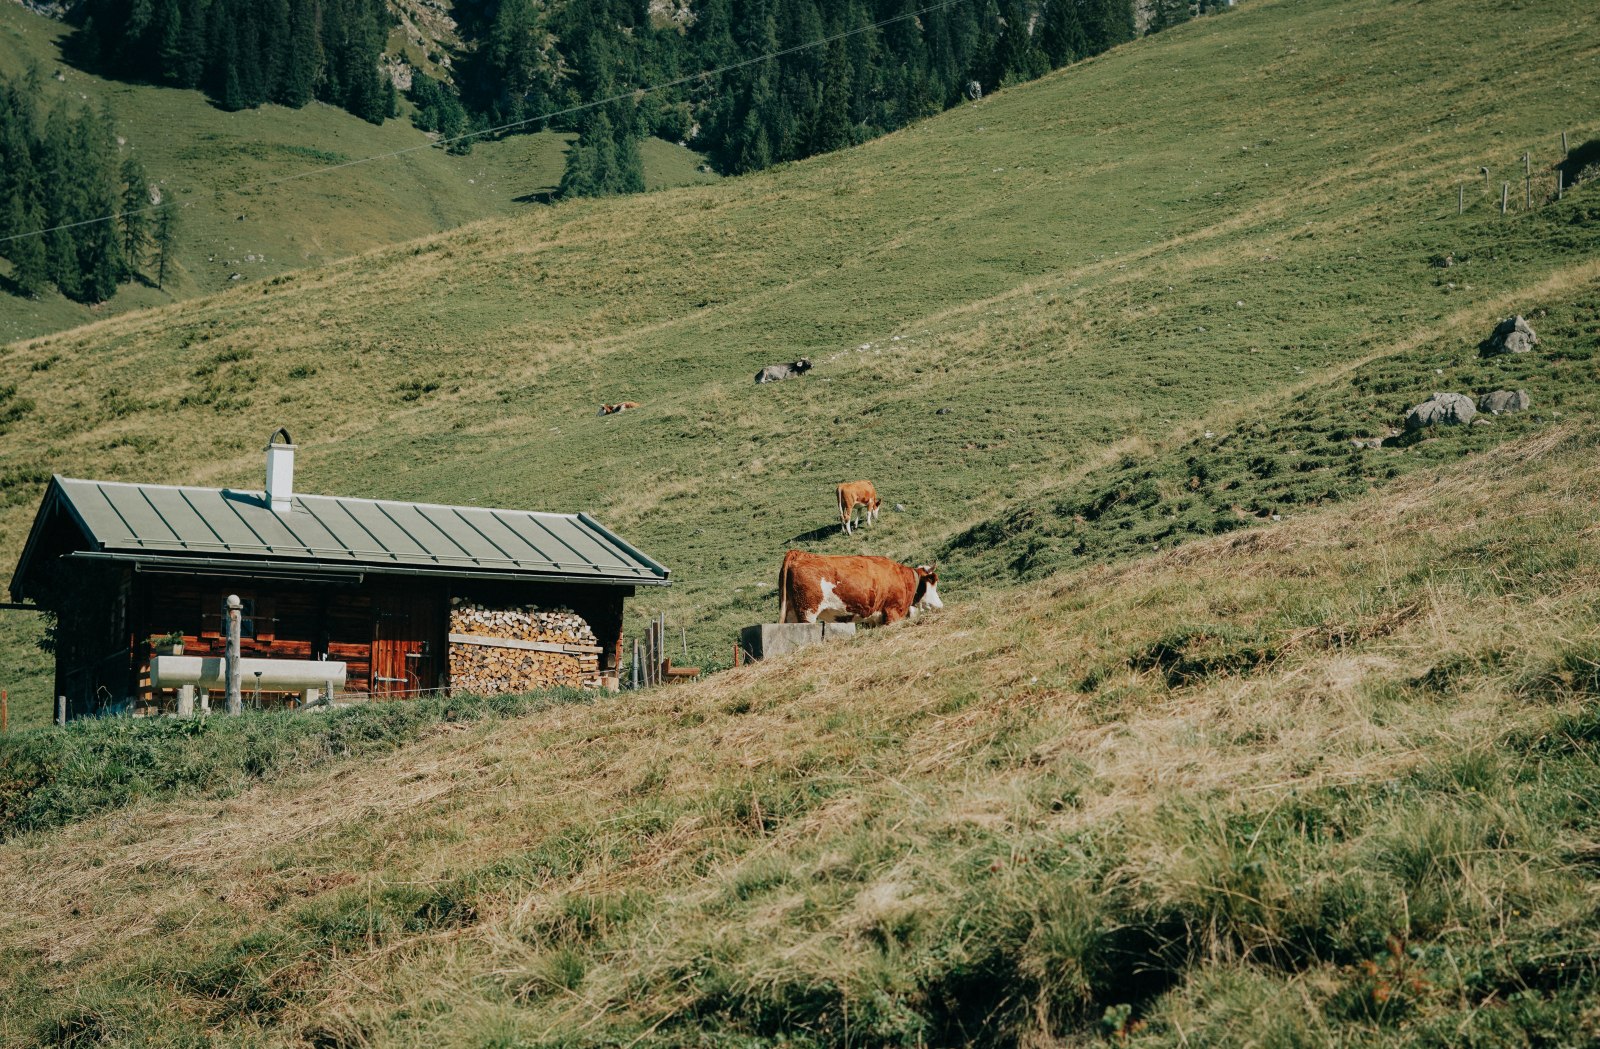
817 588
853 494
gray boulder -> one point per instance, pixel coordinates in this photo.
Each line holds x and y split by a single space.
1513 335
1442 409
1505 401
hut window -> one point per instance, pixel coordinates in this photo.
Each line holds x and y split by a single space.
255 619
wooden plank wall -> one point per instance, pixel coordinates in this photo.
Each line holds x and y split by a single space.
304 620
293 621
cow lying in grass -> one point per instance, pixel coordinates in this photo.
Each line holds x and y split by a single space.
818 588
780 372
612 409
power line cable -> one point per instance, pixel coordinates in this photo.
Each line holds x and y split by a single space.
437 143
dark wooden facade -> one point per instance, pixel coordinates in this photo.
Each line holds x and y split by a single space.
391 632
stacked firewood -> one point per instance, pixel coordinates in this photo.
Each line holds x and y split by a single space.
522 648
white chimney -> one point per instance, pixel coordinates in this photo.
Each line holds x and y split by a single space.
280 471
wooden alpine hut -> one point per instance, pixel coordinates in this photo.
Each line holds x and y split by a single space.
410 597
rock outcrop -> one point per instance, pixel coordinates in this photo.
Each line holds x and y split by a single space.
1442 409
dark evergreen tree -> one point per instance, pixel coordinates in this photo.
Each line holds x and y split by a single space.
96 196
21 207
1107 23
1168 13
135 216
299 80
1061 34
603 162
833 129
166 240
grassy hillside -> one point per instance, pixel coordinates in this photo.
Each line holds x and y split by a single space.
221 160
1357 811
1083 275
1231 732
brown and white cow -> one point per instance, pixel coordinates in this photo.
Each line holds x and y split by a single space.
819 588
612 409
853 494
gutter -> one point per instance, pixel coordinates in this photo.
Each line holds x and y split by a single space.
353 575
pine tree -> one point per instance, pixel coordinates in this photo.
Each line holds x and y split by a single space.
833 129
304 58
166 37
187 66
97 241
1061 33
56 166
135 217
627 175
1108 23
166 240
30 270
21 213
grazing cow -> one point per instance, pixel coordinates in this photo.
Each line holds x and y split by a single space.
780 372
853 494
612 409
816 588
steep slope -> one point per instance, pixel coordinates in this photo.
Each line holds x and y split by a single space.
1327 784
250 213
1087 268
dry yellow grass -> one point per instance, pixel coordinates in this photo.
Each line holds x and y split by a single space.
781 817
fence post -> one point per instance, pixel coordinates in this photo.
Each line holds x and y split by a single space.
1563 145
61 710
1527 194
1505 196
1461 199
235 696
5 711
649 653
1561 179
186 701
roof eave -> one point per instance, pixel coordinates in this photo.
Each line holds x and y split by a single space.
54 493
347 569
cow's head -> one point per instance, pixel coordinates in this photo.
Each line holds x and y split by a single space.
927 587
802 365
605 409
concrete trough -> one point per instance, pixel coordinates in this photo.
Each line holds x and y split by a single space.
277 675
765 640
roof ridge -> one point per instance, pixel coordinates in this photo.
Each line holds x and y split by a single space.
311 495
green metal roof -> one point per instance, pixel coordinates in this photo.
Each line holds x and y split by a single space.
219 526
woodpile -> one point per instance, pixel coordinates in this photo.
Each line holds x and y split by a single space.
495 650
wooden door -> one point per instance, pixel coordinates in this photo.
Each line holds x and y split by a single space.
405 644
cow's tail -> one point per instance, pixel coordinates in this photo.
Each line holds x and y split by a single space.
783 590
838 498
